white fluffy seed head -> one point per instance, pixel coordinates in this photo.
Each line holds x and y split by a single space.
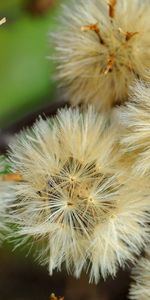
70 198
6 198
5 203
123 234
140 289
101 47
135 121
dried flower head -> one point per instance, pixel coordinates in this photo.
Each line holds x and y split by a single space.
135 118
70 199
140 289
101 47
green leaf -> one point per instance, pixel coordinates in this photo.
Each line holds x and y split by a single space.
4 165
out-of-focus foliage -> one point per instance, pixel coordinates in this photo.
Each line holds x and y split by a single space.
4 165
26 75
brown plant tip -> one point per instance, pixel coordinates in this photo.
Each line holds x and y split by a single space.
129 35
92 27
110 63
112 5
2 21
16 177
95 28
53 297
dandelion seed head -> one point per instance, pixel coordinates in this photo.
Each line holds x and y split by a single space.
135 120
140 289
6 199
69 195
101 48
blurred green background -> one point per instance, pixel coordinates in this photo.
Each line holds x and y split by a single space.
26 74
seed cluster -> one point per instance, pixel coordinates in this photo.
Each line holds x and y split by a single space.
102 49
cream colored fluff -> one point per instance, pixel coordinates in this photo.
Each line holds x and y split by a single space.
71 200
101 49
140 289
135 120
6 199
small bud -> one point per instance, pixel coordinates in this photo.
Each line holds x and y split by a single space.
2 21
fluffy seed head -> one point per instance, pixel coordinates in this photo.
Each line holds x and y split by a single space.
140 289
5 198
71 200
101 47
5 202
135 118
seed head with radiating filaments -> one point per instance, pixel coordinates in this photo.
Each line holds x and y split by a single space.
135 120
140 289
70 198
101 47
6 199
